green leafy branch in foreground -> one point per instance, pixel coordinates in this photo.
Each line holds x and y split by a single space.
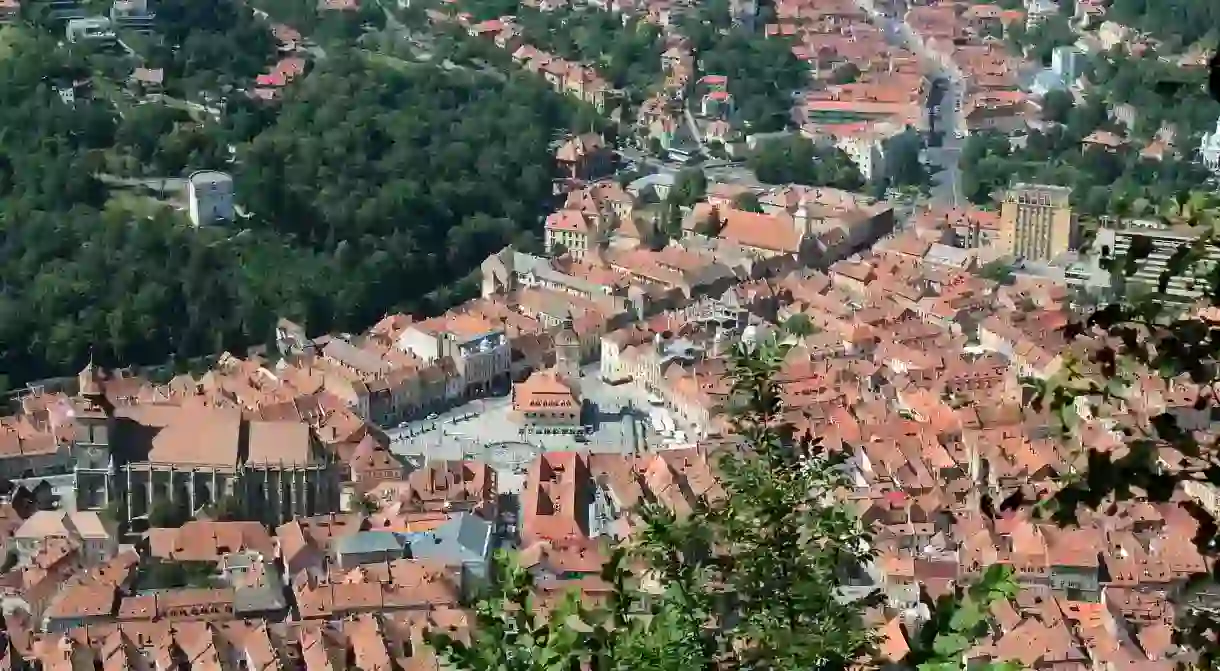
959 622
1148 330
749 580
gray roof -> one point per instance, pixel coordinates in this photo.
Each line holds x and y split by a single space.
203 177
89 22
948 256
365 542
1047 80
523 262
464 539
655 179
266 597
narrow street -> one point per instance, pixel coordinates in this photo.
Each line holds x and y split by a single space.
944 112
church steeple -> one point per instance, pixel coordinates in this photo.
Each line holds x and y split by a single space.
93 416
89 381
567 349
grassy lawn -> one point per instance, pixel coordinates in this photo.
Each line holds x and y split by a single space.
135 205
388 61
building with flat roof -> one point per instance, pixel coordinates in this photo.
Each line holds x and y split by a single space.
210 195
1162 242
89 29
1036 221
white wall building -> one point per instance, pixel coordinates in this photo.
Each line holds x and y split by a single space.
1065 63
865 151
1209 149
132 15
89 29
211 197
1037 11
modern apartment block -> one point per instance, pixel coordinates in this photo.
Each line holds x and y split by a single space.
1162 243
1036 221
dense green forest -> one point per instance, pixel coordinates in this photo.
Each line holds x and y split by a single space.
1177 22
408 179
1161 92
627 55
763 72
205 46
369 189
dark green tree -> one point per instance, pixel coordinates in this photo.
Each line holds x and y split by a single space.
712 225
962 619
747 201
902 165
799 325
229 509
999 270
797 160
690 187
845 74
1056 105
167 514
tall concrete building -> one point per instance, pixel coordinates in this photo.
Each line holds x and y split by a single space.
1036 221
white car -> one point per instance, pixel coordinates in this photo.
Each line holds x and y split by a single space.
959 134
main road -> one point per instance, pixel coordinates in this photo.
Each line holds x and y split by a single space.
944 114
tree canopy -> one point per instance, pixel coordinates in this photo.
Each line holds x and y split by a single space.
1178 22
204 46
627 54
367 190
797 160
762 71
902 164
1162 92
1102 179
327 27
1143 337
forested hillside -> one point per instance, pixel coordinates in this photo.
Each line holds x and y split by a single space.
205 45
370 190
762 72
1183 22
413 178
